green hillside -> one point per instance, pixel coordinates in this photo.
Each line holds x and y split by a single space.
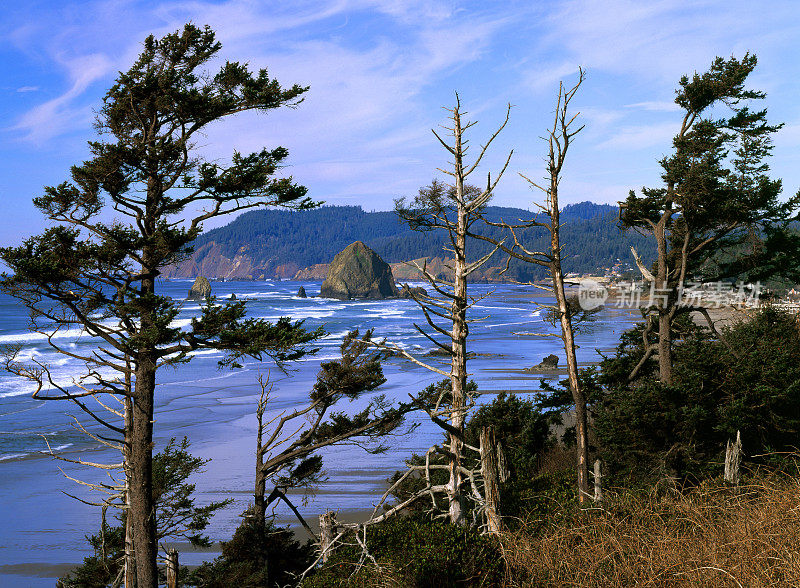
271 238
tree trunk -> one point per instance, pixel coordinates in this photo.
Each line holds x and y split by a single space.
172 568
733 459
665 348
327 533
260 503
491 484
260 507
664 313
142 510
568 337
130 556
598 482
458 363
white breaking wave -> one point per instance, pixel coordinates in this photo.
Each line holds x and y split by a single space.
28 337
7 456
296 316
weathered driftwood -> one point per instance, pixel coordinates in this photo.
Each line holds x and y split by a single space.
733 459
491 479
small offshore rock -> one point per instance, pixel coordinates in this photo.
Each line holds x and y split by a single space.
549 363
200 289
233 297
301 293
407 291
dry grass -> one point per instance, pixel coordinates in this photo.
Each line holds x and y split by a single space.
710 536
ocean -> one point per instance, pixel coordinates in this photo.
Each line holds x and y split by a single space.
42 528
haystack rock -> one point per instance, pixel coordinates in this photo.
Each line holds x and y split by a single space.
200 289
358 272
301 293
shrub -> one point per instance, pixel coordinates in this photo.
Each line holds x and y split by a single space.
414 552
258 555
750 382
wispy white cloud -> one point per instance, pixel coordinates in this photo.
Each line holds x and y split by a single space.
25 89
543 76
655 106
641 137
379 70
62 114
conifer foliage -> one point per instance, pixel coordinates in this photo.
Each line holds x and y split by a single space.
717 214
99 275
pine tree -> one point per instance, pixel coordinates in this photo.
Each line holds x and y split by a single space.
100 275
718 214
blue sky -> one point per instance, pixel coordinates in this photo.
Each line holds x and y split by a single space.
380 71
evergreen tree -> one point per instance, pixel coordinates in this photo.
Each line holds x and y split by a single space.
177 515
100 275
717 214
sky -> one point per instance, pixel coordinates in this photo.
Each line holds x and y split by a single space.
380 74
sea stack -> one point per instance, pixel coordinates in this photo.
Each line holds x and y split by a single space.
358 272
411 292
200 289
548 364
301 293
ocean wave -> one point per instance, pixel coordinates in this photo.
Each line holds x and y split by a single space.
17 387
29 337
196 380
320 357
493 325
7 456
338 336
487 307
68 373
297 315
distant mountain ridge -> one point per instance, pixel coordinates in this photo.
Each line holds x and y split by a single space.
278 243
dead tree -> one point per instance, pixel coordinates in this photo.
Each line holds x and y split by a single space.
490 472
327 531
106 398
452 208
564 311
733 459
173 567
598 482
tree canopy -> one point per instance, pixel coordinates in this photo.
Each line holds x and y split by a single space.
99 275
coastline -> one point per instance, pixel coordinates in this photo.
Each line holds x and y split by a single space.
216 411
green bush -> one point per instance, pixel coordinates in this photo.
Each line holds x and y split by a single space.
414 552
260 555
749 383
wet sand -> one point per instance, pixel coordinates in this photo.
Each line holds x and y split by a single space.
44 530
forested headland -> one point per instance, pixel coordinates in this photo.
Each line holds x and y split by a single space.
277 243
